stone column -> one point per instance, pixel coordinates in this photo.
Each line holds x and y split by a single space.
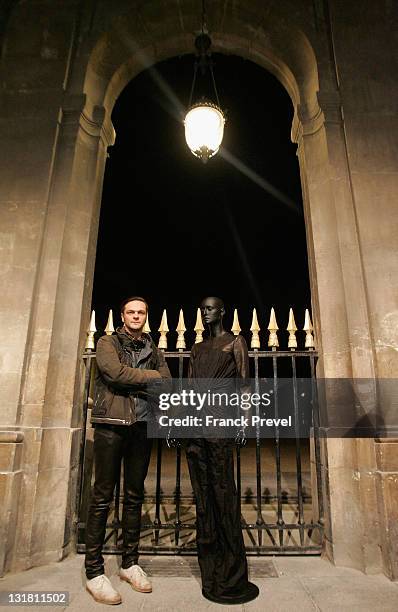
50 192
51 404
35 63
11 445
363 44
342 333
387 498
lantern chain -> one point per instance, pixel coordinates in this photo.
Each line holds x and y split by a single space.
203 57
203 17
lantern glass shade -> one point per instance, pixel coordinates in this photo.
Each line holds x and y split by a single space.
204 129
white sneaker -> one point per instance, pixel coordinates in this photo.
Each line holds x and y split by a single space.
102 590
138 579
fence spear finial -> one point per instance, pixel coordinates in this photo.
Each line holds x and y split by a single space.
163 331
309 338
147 329
109 329
273 328
199 327
292 328
181 329
255 328
235 329
90 345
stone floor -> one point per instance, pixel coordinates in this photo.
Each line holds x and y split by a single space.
287 584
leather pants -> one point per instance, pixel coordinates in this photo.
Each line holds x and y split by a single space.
112 443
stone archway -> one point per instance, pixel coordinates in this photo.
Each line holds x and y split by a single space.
107 49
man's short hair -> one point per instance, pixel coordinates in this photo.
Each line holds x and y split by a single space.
131 299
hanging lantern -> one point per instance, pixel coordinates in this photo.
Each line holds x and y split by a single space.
204 129
204 120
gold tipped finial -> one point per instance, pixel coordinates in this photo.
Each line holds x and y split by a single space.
109 329
255 328
199 328
146 328
180 331
163 331
309 338
292 328
235 329
273 328
90 345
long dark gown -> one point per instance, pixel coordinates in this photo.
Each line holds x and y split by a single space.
221 551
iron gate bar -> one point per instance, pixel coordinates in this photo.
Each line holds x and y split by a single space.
277 450
177 494
252 551
177 526
118 525
157 520
309 354
260 519
317 448
298 452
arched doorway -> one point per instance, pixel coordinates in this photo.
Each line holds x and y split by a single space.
118 58
172 229
235 226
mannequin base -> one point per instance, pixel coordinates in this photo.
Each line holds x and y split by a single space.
250 593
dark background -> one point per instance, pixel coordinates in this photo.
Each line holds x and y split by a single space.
175 230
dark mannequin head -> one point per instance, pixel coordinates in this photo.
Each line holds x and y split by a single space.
212 309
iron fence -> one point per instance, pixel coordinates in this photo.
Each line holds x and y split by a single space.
278 480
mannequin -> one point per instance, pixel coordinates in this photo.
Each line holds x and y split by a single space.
221 551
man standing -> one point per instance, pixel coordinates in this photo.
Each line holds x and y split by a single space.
128 364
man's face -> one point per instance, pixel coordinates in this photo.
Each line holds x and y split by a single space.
134 316
212 310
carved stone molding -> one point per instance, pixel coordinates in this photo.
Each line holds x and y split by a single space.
302 125
329 111
330 103
11 437
98 126
74 116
